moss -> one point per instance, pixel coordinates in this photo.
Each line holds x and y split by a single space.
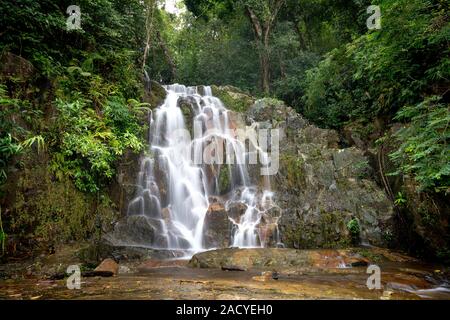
291 236
48 212
295 173
233 98
224 180
156 96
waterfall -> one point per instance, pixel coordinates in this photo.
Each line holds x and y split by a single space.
183 172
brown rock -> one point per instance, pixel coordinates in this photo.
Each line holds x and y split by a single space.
217 227
108 265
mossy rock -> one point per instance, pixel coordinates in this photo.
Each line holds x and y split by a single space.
44 211
156 96
224 180
295 175
233 98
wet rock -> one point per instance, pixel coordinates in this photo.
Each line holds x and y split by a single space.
123 189
249 258
387 294
188 107
137 231
217 227
269 235
236 209
278 259
155 97
108 265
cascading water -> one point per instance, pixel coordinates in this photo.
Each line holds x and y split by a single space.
182 174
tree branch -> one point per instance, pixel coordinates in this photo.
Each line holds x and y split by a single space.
255 22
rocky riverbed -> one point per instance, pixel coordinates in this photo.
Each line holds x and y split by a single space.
227 274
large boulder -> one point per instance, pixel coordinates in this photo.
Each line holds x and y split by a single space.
138 230
279 259
321 187
108 265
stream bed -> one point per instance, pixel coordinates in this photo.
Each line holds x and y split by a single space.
168 279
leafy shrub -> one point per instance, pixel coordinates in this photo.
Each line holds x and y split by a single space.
354 229
92 142
424 144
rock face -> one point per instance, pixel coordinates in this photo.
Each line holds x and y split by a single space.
320 187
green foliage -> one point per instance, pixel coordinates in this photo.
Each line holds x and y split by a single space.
290 63
37 30
91 142
9 145
92 73
424 144
354 230
353 227
207 9
216 52
330 100
400 72
400 200
8 149
36 140
224 180
362 168
381 71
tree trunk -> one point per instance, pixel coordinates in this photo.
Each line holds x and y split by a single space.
165 49
265 67
262 31
148 27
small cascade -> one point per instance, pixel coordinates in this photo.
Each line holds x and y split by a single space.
193 150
